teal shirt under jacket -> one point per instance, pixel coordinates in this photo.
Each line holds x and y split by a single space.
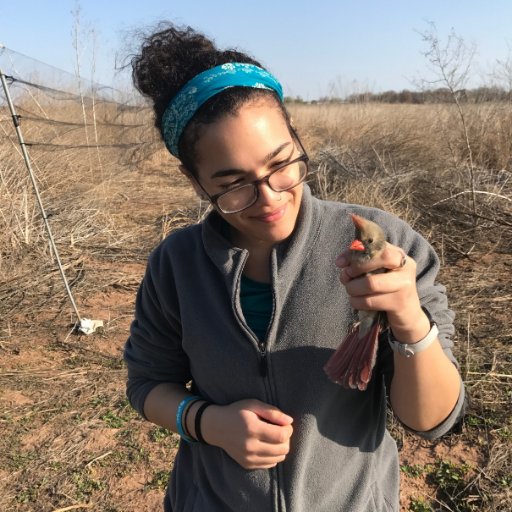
257 304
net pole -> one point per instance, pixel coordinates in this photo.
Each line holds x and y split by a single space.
26 157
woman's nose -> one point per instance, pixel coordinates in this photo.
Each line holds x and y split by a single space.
267 195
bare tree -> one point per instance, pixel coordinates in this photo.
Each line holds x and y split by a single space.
450 63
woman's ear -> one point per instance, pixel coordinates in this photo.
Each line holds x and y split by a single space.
193 181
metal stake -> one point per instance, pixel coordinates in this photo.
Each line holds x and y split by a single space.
26 157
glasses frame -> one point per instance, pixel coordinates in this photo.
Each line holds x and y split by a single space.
265 179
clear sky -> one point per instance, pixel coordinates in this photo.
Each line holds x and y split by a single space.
314 47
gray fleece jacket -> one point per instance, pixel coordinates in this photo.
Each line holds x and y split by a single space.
189 326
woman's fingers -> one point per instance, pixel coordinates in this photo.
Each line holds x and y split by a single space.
257 449
269 413
262 462
386 282
391 258
375 284
254 434
274 434
403 260
266 447
371 290
382 292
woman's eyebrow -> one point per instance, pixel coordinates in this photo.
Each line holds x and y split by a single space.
274 153
229 172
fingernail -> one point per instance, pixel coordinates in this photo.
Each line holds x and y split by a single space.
341 261
350 272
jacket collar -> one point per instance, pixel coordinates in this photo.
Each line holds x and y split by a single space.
287 257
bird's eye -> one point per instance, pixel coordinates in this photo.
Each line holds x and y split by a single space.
370 240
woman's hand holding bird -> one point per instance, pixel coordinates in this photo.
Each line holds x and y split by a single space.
393 292
381 283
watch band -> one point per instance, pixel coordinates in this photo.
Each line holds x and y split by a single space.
409 349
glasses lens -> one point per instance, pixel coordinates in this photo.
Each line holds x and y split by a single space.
289 176
237 200
283 179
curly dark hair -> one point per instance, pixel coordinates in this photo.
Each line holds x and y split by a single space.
170 57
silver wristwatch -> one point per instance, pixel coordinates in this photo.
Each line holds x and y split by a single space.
409 349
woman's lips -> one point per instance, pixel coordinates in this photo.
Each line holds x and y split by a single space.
272 216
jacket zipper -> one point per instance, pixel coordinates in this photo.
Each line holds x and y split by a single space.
263 359
263 369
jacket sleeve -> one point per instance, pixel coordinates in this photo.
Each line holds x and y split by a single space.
153 353
434 300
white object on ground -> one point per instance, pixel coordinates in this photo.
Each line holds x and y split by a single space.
87 326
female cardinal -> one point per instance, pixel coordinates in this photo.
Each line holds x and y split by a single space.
352 363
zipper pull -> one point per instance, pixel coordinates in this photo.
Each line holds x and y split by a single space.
263 360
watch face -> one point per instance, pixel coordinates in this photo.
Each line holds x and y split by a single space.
409 349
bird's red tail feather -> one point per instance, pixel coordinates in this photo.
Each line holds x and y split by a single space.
352 363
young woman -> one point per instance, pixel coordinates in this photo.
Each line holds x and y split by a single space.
248 307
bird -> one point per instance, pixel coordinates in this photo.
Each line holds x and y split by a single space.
352 363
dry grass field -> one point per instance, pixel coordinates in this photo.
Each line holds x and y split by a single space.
70 441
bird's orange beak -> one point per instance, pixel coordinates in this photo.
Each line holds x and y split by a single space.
356 245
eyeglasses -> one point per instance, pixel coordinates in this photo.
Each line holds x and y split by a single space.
283 178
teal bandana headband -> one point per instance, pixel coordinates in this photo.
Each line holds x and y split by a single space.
202 87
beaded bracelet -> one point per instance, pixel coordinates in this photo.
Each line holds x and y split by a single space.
179 417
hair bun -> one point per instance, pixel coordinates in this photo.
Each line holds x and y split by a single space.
170 57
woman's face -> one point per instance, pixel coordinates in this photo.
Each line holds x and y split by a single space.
239 149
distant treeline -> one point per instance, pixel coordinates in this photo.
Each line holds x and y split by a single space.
440 95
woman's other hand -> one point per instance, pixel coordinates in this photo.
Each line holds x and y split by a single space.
253 433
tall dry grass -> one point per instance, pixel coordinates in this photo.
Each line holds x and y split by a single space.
413 160
428 136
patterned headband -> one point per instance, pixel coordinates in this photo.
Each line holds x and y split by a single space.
202 87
